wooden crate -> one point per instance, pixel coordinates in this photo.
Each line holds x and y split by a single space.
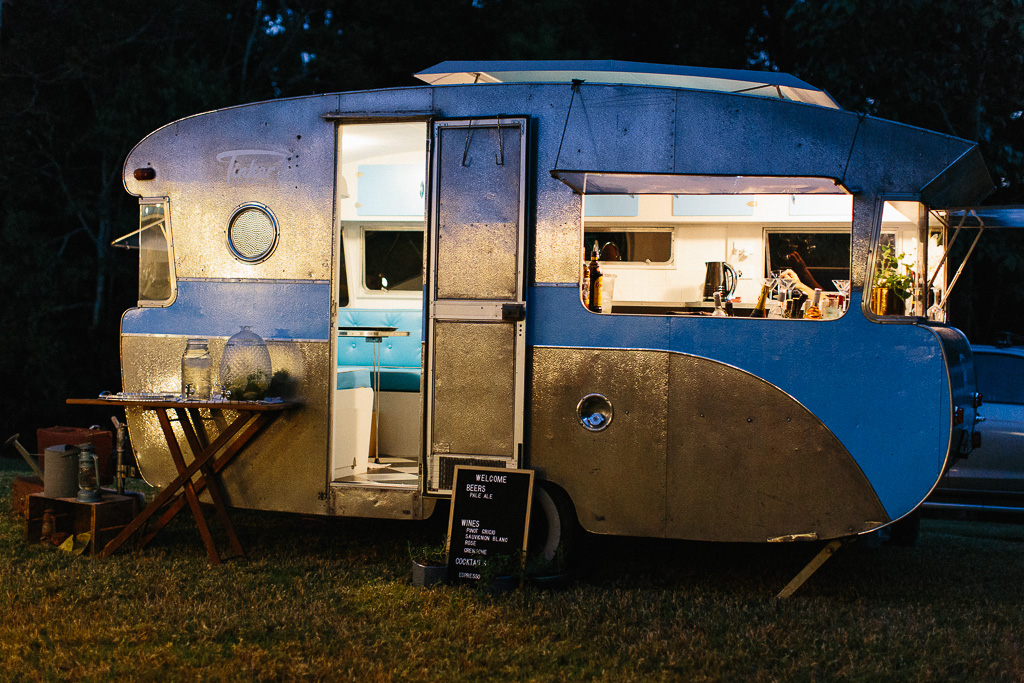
103 520
21 489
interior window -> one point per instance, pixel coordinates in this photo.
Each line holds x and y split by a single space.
820 259
393 259
154 258
631 245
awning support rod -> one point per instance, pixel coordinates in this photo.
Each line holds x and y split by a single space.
981 229
949 246
576 83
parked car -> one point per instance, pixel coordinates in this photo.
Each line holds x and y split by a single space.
993 475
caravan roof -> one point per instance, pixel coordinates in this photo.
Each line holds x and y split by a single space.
755 83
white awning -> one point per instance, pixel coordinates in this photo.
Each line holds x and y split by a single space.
753 83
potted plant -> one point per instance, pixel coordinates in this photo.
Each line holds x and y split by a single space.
548 573
501 573
893 284
429 563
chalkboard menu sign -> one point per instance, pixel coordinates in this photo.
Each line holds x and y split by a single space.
490 517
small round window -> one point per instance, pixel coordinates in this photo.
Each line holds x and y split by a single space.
252 233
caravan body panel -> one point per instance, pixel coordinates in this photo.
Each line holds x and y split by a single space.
732 430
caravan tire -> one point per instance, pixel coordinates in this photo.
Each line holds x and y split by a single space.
553 525
904 532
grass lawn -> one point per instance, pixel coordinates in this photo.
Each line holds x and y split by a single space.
331 600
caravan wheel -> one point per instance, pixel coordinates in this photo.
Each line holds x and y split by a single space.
904 533
553 525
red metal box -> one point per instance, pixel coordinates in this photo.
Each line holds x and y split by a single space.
101 439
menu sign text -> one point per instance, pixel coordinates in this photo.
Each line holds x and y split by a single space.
490 518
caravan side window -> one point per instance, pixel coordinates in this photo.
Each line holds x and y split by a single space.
155 281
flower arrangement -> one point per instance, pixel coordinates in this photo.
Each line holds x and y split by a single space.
894 275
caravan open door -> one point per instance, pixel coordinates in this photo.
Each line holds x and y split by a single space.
475 343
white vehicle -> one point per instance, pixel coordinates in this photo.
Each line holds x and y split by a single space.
992 477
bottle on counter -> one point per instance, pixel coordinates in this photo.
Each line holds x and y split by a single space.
594 271
762 299
795 306
813 311
778 309
798 304
719 312
585 295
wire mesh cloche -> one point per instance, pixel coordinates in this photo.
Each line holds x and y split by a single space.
245 366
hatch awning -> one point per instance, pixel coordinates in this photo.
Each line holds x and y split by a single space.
614 182
987 217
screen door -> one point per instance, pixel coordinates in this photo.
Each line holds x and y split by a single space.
476 343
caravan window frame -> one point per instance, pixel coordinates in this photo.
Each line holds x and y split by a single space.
817 229
164 203
364 229
606 227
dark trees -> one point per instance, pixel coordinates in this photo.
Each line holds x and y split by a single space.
82 82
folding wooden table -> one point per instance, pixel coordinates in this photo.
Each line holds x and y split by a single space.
243 421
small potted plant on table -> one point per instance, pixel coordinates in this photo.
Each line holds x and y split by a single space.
893 284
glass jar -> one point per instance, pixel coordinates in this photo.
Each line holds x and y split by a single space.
245 369
196 370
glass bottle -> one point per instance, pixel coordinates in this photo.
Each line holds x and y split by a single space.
797 305
778 308
49 525
196 369
594 303
719 313
813 311
762 299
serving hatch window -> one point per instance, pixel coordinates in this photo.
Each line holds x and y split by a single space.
670 257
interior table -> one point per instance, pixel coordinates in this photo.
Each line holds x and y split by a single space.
209 458
374 335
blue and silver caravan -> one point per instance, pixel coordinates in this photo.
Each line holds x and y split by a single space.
466 211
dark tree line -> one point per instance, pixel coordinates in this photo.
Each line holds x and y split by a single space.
82 82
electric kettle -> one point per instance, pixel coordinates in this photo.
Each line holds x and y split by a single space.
721 277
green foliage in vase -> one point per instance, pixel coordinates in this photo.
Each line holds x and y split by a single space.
893 274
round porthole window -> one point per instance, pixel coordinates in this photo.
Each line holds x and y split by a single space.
594 412
252 233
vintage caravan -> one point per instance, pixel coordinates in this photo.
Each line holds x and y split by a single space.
416 260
